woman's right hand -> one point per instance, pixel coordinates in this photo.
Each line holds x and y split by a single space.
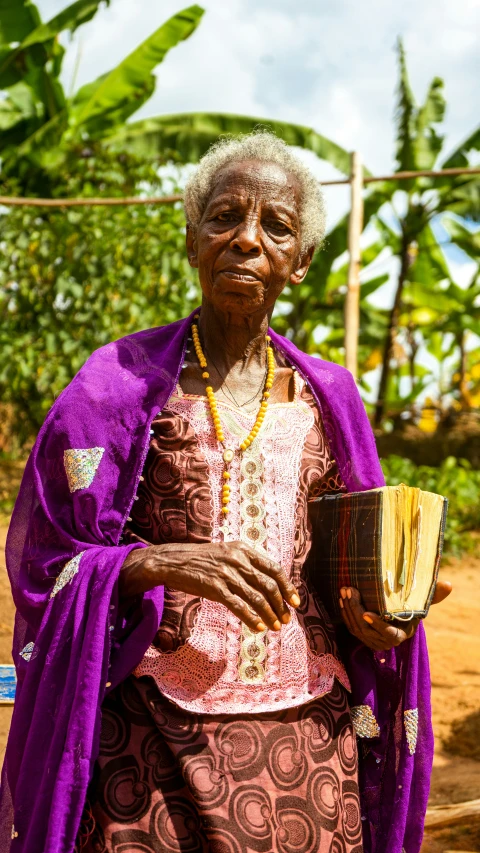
251 585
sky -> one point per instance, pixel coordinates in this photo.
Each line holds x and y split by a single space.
329 65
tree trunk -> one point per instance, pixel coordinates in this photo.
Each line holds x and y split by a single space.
405 261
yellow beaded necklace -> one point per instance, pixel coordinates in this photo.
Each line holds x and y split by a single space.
228 453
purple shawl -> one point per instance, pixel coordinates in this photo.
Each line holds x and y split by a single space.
70 647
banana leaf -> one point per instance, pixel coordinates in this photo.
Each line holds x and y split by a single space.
17 19
40 44
113 97
191 134
459 158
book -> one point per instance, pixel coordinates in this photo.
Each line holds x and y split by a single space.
386 542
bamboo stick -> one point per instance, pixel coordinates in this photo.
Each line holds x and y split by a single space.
447 815
86 202
352 301
18 201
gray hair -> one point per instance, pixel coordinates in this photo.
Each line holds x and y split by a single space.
263 146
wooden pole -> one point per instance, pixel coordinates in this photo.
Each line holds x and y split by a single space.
352 301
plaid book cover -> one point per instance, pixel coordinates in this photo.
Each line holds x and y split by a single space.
347 550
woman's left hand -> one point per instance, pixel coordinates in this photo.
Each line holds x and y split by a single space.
371 629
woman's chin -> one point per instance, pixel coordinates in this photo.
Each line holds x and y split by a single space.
238 303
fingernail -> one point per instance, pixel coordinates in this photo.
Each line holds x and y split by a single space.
286 618
277 625
261 627
295 600
343 592
349 593
368 619
341 603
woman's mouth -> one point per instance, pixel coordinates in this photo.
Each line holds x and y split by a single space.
236 275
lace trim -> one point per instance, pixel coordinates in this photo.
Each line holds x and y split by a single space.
222 667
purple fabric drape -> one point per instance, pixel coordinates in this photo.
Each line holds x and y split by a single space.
79 641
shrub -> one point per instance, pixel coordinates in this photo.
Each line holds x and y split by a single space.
457 481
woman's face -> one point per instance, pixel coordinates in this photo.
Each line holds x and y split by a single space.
247 245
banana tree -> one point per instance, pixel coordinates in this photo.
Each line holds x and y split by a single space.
450 313
37 120
427 200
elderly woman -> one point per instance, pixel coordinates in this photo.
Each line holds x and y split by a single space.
180 686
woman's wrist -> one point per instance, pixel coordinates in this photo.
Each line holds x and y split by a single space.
142 570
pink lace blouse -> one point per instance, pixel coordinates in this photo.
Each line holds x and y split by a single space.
204 659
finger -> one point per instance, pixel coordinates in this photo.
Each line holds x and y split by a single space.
393 635
442 590
355 608
275 571
241 610
249 575
368 638
255 600
347 618
271 590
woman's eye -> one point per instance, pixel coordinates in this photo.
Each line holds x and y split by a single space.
278 225
225 217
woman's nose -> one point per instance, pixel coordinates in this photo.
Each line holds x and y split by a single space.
247 238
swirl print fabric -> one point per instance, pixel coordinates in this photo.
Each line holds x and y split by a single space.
168 781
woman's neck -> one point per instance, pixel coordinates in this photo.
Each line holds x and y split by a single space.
232 341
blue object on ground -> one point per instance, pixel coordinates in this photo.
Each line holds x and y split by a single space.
8 683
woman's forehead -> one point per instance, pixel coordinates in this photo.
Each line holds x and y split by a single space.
249 177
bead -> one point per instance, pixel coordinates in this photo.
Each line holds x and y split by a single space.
196 317
266 394
268 338
243 446
225 500
225 510
209 389
205 375
226 475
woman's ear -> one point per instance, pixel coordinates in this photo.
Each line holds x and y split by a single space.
191 243
302 266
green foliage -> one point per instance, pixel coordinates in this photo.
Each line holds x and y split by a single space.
72 280
454 479
37 120
191 134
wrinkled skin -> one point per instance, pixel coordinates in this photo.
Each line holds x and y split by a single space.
247 248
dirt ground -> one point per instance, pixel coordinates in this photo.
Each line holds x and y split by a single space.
453 630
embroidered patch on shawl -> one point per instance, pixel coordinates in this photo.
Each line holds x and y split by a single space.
410 719
29 652
364 721
81 466
68 572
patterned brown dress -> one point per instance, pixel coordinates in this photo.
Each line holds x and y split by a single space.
169 779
